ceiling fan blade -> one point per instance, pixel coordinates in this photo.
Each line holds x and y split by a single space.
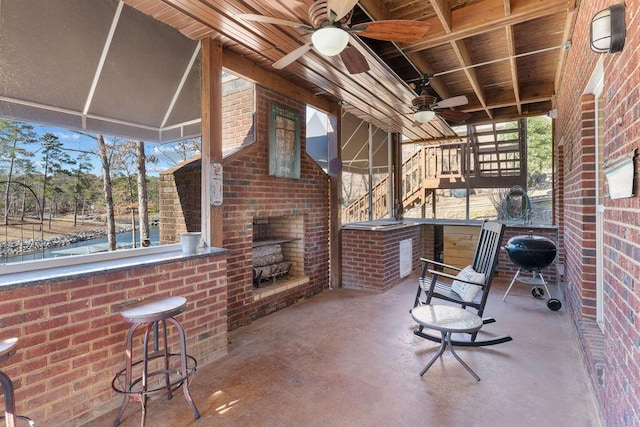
292 56
454 115
338 9
392 30
354 60
455 101
272 20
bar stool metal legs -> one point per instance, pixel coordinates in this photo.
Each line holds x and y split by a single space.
7 349
154 371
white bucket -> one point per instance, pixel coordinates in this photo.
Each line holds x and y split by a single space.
190 242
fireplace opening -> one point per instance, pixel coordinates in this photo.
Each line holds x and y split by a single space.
278 249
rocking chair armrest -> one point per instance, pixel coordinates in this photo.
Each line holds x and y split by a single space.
440 264
435 274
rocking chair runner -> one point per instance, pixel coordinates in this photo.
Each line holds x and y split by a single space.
484 262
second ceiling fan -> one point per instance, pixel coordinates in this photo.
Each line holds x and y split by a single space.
331 32
427 106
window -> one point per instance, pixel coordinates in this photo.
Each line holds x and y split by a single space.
54 201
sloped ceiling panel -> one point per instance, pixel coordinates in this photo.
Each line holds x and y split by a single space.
147 85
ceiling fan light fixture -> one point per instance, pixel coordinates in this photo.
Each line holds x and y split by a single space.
330 41
424 116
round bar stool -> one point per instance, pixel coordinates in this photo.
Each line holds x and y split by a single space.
8 349
154 372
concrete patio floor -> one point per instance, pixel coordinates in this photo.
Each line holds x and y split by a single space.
349 358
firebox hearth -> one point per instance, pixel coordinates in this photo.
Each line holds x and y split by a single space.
277 249
268 261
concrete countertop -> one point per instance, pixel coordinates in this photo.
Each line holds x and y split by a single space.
386 224
378 225
30 273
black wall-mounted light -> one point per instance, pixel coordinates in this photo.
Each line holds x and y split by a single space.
608 30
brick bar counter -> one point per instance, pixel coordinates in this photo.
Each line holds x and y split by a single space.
71 335
376 255
371 250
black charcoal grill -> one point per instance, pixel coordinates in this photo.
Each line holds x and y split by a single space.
533 254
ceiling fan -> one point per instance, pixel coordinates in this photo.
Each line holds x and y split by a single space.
427 106
331 31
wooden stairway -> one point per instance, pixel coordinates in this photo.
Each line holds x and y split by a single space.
490 156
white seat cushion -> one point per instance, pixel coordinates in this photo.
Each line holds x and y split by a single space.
467 291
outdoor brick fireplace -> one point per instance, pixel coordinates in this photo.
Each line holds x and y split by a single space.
256 202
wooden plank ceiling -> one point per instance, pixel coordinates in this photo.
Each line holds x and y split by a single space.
505 56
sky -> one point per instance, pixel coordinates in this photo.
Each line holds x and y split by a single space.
75 141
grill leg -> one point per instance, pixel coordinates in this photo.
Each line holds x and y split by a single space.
544 283
511 285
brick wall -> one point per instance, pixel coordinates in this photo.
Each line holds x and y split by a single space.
71 336
179 201
428 240
558 199
612 354
238 107
579 213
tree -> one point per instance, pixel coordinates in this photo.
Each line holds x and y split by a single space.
82 183
55 160
539 155
125 158
105 153
179 151
142 195
105 160
11 134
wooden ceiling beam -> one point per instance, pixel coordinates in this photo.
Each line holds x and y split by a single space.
509 117
465 61
570 23
482 17
250 71
443 12
378 95
508 104
513 66
507 7
378 11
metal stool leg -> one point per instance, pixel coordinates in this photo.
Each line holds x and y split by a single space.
9 402
165 349
185 371
145 371
128 354
10 416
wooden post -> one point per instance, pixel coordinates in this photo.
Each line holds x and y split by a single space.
211 98
335 195
397 175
